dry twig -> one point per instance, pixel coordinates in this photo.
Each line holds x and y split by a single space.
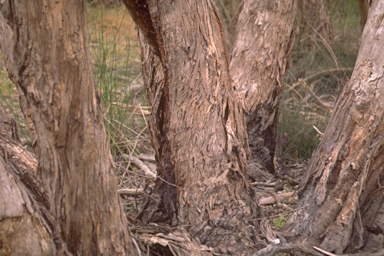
275 198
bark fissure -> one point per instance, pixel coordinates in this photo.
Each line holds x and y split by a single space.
162 206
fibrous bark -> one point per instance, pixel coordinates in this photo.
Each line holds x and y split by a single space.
342 203
197 127
47 58
26 226
259 59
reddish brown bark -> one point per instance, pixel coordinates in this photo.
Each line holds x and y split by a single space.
363 10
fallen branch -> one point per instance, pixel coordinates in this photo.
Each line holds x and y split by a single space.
141 165
318 131
323 251
380 253
178 242
272 200
325 106
263 184
322 73
130 191
147 157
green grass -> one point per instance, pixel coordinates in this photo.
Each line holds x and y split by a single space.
324 68
9 98
116 70
280 221
298 137
115 57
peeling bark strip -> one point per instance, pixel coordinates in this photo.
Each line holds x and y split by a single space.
48 61
342 201
198 126
259 58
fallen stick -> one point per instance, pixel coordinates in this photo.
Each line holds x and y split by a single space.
272 200
130 191
141 165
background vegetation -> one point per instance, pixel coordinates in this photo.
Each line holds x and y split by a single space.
317 72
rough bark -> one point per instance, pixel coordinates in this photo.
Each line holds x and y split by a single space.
26 226
49 62
342 206
259 60
198 126
315 19
23 231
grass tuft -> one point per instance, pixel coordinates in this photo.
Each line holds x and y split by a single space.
117 75
318 71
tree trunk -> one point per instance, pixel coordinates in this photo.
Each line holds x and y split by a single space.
198 125
315 19
46 56
342 206
259 59
26 227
